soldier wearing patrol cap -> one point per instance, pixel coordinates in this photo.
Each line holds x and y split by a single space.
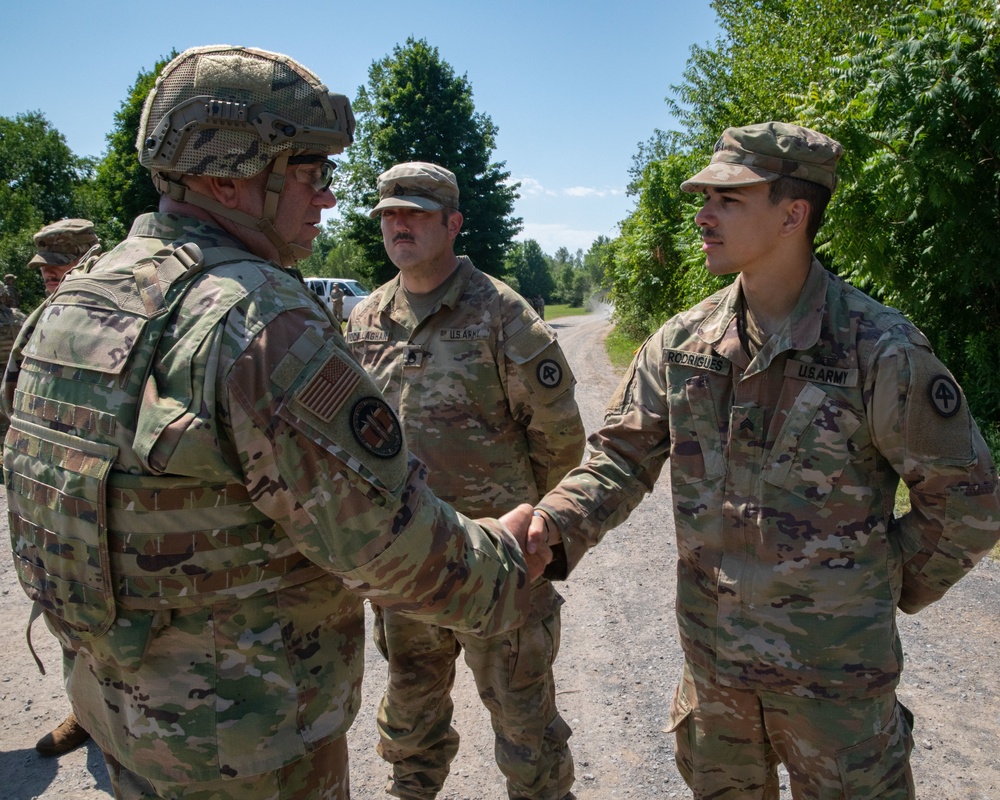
11 320
232 482
13 294
486 399
61 246
790 405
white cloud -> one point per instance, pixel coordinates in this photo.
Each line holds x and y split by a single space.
534 188
531 188
552 236
590 191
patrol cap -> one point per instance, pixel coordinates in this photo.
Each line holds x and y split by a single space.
416 184
765 152
63 242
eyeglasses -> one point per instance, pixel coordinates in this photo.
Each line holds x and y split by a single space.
314 171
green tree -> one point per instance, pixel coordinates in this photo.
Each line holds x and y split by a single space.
123 186
414 108
527 270
596 259
653 268
767 54
39 173
39 181
761 66
917 221
333 255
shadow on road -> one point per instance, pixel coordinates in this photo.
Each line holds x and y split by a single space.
27 774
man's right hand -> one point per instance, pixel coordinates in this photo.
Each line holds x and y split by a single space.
531 538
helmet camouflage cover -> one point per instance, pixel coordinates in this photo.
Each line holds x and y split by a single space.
228 111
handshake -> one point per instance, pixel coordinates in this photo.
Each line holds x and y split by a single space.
535 534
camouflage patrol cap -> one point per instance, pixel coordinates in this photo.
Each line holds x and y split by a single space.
765 152
63 242
416 184
229 111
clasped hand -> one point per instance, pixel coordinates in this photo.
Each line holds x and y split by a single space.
531 536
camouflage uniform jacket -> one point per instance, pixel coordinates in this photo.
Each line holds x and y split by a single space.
11 321
481 383
783 475
228 492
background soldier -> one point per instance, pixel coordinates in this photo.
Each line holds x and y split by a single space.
11 320
486 399
337 301
61 246
231 477
790 406
13 294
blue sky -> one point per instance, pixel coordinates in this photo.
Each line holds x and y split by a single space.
573 87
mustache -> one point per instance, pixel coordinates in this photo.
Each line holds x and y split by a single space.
707 233
403 237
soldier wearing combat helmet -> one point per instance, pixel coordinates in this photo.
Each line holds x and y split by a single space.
238 482
790 406
61 246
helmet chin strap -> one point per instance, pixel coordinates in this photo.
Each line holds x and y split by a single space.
288 252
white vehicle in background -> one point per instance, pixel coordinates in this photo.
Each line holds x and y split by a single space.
354 292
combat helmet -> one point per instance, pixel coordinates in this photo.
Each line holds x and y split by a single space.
228 112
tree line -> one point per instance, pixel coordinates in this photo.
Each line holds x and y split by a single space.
911 90
397 122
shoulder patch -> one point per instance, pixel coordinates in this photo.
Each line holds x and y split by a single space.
330 388
549 373
945 395
376 427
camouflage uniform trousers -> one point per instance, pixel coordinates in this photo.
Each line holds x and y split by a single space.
320 775
729 743
513 674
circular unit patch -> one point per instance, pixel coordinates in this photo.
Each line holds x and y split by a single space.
945 396
376 428
549 374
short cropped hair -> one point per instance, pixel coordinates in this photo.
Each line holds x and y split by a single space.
818 197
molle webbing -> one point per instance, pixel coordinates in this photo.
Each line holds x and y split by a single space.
219 545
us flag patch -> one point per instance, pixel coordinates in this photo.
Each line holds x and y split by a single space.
329 388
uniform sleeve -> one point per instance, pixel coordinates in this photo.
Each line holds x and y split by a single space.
540 390
323 455
627 455
921 424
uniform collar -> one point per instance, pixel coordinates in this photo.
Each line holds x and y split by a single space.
459 281
171 227
805 323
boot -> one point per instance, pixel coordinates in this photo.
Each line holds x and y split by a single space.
69 735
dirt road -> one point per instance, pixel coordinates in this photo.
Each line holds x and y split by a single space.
616 671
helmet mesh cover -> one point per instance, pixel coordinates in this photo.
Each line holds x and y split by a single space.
237 85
